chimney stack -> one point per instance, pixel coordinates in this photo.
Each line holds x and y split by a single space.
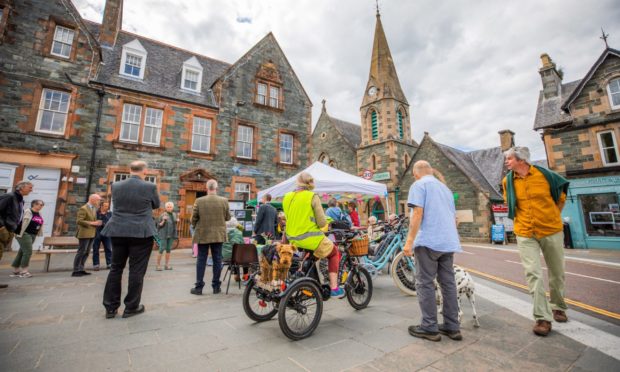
507 139
112 22
550 76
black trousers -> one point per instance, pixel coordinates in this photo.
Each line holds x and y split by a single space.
138 251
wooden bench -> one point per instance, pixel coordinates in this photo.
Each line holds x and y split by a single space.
50 242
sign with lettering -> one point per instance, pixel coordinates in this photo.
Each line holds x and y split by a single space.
381 176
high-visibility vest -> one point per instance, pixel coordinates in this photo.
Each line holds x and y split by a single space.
301 228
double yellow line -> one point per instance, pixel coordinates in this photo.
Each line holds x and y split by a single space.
567 300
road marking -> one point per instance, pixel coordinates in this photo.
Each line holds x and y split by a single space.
466 252
591 308
575 274
585 260
578 331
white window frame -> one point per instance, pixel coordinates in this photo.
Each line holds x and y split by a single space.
60 40
125 121
135 49
242 139
42 109
123 176
192 65
153 119
247 189
610 94
274 101
602 149
262 99
286 149
202 133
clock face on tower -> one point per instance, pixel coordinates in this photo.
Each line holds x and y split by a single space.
372 91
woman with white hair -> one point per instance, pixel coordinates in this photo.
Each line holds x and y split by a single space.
234 235
167 231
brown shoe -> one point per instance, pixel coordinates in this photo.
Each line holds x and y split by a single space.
542 327
560 316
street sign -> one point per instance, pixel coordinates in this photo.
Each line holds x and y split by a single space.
381 176
367 174
497 233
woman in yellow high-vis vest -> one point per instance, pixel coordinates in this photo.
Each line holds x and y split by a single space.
306 225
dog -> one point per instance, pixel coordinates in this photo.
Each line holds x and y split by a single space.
464 286
276 260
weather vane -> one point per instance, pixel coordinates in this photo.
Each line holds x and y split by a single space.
604 37
377 7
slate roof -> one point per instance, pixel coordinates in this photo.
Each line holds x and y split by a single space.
484 167
549 111
162 75
352 133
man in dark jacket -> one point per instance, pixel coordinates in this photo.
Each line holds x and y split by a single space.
131 229
266 220
11 213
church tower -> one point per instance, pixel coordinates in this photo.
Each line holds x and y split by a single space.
387 145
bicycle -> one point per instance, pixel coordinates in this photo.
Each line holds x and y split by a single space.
298 300
389 252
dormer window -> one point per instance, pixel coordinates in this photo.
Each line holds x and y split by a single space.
613 89
191 78
63 40
133 61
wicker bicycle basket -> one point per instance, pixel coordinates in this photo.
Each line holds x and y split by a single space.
359 247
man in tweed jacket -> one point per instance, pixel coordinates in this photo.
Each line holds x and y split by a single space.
209 222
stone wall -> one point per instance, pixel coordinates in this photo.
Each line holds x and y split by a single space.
327 140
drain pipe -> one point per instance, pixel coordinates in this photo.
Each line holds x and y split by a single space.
93 154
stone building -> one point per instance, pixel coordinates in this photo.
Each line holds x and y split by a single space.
580 126
384 143
80 100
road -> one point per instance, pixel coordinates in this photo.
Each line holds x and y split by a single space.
592 286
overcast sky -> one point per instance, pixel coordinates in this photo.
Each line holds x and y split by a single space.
468 68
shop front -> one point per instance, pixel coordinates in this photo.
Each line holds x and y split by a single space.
593 212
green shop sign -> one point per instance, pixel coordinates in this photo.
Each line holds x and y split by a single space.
381 176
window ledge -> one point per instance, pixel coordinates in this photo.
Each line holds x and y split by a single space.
136 147
132 78
201 155
192 92
245 160
276 109
59 58
288 166
48 135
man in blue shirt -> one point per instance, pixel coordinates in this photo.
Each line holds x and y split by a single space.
432 230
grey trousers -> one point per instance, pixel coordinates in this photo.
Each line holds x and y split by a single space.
430 265
86 245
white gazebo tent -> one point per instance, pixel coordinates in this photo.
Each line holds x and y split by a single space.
329 180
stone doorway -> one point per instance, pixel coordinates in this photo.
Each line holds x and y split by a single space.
193 186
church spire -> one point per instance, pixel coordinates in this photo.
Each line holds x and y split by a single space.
383 74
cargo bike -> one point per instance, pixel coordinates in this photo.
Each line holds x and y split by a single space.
298 298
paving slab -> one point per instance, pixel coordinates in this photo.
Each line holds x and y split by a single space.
53 322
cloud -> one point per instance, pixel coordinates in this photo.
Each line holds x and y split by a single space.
241 19
469 69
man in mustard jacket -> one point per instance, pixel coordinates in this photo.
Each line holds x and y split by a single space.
87 229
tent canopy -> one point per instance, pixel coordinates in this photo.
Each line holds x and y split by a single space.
328 180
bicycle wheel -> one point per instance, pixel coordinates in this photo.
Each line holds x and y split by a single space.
300 310
359 288
255 307
403 273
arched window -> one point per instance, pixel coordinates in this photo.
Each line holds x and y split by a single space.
324 158
332 164
374 126
400 124
406 160
374 161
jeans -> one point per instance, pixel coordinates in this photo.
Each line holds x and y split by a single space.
201 264
553 251
22 259
107 249
86 245
138 251
430 265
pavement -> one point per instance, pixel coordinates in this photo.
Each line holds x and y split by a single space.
53 322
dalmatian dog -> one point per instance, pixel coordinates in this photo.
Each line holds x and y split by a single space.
464 286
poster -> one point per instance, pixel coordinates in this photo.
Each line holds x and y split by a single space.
500 214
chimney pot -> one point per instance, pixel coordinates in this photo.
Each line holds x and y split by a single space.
507 139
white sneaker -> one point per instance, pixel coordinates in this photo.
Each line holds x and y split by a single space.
25 275
15 274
